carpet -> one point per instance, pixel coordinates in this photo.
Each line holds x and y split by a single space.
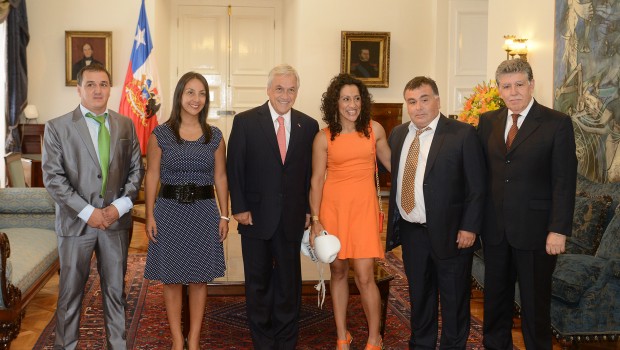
225 324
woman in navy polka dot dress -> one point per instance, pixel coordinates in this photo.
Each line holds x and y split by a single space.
184 225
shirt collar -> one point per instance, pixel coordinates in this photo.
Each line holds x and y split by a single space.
85 110
432 124
275 115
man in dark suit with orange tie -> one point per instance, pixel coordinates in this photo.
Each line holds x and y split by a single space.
532 169
436 205
269 169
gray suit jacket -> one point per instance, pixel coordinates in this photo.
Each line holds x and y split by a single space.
72 174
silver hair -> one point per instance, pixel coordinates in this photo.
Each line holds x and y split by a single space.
516 65
282 69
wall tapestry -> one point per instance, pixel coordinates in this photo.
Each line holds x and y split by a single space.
586 82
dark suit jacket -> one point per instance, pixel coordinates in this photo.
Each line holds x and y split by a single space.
454 186
72 174
532 186
260 183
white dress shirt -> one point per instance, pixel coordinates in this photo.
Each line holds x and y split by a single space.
123 204
418 214
520 120
287 122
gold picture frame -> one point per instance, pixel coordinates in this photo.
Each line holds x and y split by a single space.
366 55
78 44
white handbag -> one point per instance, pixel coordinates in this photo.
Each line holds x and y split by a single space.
306 248
326 248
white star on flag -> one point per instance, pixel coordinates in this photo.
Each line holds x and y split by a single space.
140 38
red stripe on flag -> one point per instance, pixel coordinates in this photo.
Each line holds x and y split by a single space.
133 105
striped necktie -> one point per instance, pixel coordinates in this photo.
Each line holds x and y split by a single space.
407 192
512 133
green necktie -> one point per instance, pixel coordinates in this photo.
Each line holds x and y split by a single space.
104 148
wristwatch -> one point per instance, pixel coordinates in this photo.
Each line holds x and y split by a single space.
314 218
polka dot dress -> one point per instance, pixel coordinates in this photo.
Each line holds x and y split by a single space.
187 248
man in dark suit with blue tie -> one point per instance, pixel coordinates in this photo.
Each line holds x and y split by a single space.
532 170
436 204
269 169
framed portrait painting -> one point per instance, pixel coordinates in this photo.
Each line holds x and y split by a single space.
86 48
366 55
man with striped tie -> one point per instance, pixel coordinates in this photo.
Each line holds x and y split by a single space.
436 204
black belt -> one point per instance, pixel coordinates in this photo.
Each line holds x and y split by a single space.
416 224
186 193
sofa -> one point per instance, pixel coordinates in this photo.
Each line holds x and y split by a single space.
585 295
28 253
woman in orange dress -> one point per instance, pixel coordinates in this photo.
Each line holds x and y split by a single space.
343 198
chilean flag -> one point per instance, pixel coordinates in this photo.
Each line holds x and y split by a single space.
140 98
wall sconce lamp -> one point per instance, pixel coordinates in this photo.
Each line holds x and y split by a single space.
508 43
515 47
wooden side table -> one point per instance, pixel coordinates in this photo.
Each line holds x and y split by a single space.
32 138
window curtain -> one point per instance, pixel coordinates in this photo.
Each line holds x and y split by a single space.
17 71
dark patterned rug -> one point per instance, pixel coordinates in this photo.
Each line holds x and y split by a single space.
225 321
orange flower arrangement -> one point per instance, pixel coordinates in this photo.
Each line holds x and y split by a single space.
485 98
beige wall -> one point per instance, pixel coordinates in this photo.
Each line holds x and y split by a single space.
46 51
311 42
311 45
506 17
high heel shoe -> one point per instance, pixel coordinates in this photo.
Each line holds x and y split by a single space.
341 342
374 347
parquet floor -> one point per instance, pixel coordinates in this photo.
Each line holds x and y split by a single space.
42 308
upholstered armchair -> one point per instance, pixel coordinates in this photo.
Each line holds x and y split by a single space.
585 293
585 303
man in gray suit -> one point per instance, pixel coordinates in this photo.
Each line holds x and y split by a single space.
92 168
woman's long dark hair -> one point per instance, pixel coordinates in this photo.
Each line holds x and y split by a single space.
329 105
177 106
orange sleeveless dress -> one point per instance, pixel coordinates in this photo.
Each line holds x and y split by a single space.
349 207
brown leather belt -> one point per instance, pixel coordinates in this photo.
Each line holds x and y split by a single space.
188 193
